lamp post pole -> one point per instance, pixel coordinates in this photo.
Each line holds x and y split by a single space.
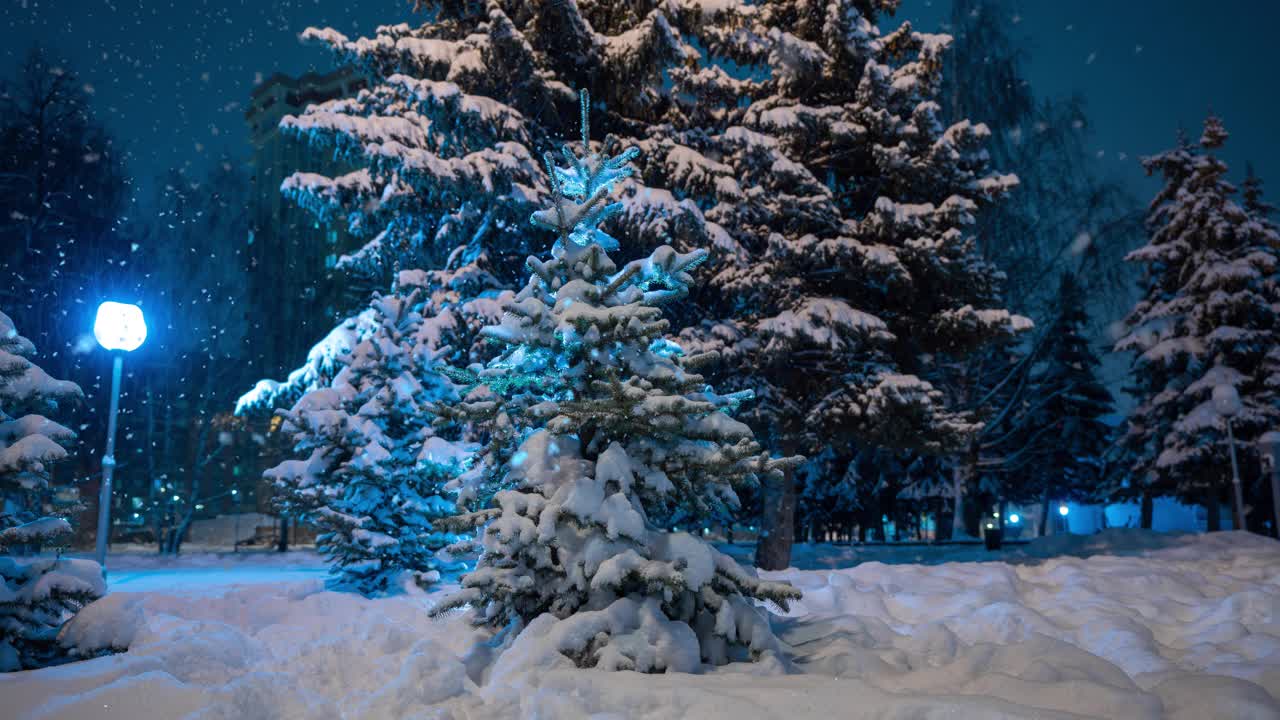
109 462
1226 400
118 328
1235 479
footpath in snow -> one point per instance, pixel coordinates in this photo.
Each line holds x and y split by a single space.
1145 626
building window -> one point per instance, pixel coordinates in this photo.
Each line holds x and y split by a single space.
330 260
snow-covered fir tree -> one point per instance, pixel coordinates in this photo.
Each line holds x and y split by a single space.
1057 438
30 443
372 474
801 146
852 268
627 432
443 176
1208 319
37 594
439 177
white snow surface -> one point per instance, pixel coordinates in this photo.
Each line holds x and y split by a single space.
1151 626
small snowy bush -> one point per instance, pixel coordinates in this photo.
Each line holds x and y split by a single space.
622 430
39 594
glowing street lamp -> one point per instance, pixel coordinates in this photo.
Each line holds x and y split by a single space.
1227 402
120 328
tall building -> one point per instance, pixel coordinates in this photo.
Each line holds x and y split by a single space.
289 256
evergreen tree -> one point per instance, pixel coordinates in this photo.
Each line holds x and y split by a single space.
627 433
443 175
1063 218
1251 197
37 594
30 443
1208 320
1057 442
800 145
373 476
441 179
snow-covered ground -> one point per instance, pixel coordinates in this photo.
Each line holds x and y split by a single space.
1153 627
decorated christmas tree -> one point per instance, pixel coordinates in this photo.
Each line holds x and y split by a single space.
623 431
373 475
37 594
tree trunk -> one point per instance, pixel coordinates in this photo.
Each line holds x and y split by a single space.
283 544
882 517
1214 509
973 512
957 490
158 512
179 532
1148 511
946 521
773 549
967 514
1044 514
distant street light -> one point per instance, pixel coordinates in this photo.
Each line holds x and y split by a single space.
1063 510
1227 402
1270 443
119 328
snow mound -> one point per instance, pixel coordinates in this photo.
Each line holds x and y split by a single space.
1182 627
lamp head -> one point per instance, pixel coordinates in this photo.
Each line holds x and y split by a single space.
119 326
1226 400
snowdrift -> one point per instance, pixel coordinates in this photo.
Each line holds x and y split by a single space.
1150 627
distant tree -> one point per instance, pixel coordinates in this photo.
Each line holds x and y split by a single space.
1065 216
62 191
1056 439
1251 198
189 236
1207 320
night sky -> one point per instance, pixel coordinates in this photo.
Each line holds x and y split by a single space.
171 78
